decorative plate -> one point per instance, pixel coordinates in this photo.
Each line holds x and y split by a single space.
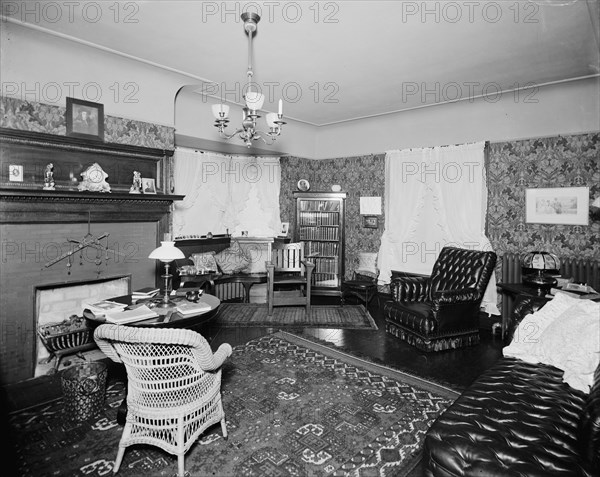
303 185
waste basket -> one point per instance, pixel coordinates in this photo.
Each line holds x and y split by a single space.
84 390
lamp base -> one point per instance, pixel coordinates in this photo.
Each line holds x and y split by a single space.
540 281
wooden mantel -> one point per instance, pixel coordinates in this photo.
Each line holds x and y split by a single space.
40 206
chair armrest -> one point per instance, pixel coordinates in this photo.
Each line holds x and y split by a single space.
465 295
309 267
210 361
410 288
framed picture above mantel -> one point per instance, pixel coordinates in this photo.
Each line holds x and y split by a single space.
560 205
85 119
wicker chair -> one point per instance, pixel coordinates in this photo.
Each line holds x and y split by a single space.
173 386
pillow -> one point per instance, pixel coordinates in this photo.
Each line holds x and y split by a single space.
367 262
572 343
233 259
204 261
526 339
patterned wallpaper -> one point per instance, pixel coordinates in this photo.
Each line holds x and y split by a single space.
514 166
38 117
358 176
560 161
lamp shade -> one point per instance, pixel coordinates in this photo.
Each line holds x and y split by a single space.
541 261
220 111
271 118
254 100
167 252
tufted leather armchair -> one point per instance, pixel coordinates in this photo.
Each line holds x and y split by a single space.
441 311
517 419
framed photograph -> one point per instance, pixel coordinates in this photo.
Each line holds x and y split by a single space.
370 221
85 119
148 186
561 205
285 228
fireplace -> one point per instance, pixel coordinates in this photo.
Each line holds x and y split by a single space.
39 229
55 303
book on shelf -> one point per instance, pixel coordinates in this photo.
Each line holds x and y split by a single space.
138 313
189 308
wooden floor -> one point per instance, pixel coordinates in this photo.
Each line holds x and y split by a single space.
455 368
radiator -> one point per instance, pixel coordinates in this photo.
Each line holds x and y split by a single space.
582 270
225 291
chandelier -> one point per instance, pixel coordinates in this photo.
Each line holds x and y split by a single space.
254 102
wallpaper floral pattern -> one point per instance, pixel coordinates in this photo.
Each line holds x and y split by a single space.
38 117
560 161
358 176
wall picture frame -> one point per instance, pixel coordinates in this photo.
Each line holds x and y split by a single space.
370 221
559 205
85 119
285 229
148 185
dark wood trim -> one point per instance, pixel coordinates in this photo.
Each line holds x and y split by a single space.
66 142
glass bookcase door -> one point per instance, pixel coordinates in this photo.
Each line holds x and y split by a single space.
320 225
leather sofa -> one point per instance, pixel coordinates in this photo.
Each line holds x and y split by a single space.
517 419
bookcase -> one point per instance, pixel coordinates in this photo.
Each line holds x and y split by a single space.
320 218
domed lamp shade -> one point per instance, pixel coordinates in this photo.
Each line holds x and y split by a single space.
538 267
166 253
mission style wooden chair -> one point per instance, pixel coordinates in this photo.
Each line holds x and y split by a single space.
173 386
289 277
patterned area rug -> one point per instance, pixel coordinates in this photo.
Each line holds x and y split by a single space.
292 407
321 316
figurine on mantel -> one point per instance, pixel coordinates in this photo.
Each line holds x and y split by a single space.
94 179
136 186
49 177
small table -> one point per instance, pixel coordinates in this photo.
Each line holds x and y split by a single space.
362 289
168 316
512 292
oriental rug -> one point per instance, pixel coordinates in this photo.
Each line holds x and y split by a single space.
321 316
292 408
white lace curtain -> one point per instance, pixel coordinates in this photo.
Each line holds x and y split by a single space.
226 193
434 197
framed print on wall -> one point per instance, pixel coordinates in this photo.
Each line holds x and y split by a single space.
85 119
148 186
370 221
561 205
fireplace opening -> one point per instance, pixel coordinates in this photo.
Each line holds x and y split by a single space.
55 303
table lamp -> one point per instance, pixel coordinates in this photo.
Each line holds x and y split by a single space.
537 267
166 253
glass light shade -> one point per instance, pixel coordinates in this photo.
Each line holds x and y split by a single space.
167 252
220 108
254 100
271 118
541 261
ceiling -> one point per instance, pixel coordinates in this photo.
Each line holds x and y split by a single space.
344 60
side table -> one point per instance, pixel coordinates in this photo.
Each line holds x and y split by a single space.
513 291
362 289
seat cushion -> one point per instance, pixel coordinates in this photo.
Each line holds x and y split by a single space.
415 316
516 419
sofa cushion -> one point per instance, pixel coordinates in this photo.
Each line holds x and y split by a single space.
572 343
564 333
516 419
233 259
204 262
589 428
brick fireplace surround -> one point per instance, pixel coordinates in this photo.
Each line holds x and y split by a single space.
36 227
